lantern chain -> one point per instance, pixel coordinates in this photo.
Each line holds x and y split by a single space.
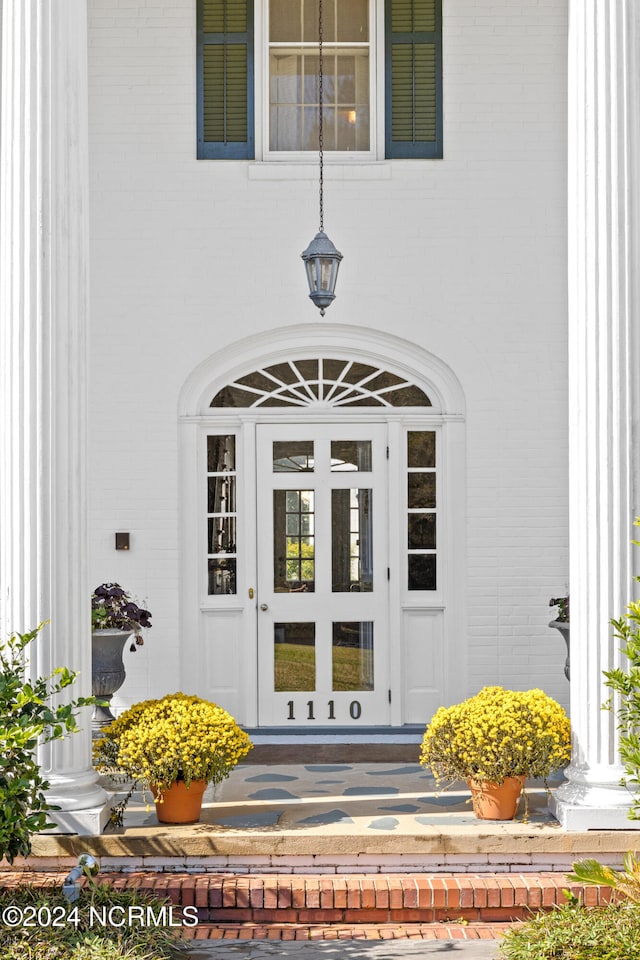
321 111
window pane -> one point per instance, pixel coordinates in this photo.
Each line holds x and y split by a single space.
222 535
348 455
421 490
285 86
222 576
421 448
221 454
285 20
294 657
294 99
293 456
352 656
353 20
422 571
311 20
346 78
422 531
293 541
351 541
221 494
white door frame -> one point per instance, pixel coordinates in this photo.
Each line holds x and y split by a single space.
210 627
316 701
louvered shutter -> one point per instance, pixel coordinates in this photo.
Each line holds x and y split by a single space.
413 62
225 79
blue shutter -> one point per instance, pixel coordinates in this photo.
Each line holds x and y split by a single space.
413 78
225 79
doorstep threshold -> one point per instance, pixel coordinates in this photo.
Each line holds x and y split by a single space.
295 735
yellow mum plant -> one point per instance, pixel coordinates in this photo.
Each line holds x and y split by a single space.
177 738
497 734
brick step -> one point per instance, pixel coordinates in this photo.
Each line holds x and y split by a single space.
261 899
353 931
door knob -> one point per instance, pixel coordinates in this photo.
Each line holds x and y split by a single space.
264 606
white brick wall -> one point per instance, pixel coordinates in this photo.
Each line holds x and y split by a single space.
465 256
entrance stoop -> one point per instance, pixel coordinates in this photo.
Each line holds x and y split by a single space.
300 850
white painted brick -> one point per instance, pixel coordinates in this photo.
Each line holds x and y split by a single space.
474 266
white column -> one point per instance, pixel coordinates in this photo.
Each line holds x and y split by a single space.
603 365
43 322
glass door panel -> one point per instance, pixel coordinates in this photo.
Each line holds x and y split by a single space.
293 540
351 540
294 656
352 656
321 540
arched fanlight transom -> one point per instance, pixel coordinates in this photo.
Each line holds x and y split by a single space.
326 381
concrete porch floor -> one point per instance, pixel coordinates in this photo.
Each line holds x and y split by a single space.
337 818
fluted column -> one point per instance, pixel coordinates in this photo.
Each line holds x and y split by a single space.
603 365
43 323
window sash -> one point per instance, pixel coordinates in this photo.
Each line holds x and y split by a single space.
332 117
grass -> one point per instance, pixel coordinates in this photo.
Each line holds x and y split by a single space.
295 668
51 929
575 932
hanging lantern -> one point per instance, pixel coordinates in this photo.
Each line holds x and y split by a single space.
321 259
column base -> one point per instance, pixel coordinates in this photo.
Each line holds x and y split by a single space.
573 817
592 800
84 823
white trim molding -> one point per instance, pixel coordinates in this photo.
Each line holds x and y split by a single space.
331 339
220 635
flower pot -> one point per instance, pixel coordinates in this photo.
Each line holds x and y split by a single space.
180 803
107 671
493 801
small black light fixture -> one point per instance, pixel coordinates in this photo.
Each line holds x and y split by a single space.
122 541
321 259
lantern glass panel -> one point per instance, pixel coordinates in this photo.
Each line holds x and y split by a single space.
326 272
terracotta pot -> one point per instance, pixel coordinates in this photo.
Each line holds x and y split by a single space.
493 801
180 804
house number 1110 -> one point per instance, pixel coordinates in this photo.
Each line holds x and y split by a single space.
355 710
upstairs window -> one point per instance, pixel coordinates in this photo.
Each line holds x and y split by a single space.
293 75
353 102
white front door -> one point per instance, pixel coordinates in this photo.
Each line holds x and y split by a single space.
323 636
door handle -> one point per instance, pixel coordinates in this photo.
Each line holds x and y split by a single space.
264 606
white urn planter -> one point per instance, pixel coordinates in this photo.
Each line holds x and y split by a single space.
107 671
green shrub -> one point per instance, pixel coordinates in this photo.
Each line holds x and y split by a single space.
625 681
625 881
27 718
82 937
575 932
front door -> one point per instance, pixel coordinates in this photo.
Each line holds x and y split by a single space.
322 575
